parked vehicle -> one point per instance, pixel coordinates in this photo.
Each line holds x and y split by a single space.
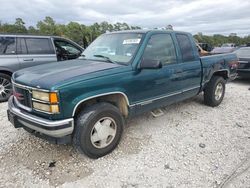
231 45
244 60
222 50
87 101
22 51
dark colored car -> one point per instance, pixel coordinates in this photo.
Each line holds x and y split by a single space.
244 60
22 51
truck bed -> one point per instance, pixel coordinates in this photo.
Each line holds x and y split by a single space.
219 62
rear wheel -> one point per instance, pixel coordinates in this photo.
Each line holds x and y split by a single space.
214 91
98 130
5 87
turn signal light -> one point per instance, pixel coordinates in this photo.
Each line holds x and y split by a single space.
53 98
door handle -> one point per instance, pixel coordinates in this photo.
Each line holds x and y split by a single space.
178 71
27 59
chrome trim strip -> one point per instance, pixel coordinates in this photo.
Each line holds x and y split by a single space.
37 55
165 96
146 102
192 88
154 99
31 88
54 133
243 62
22 106
43 102
103 94
40 101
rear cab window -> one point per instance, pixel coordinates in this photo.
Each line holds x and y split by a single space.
7 45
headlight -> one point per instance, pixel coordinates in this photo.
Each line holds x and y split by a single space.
54 108
45 101
45 96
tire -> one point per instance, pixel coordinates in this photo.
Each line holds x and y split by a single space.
5 87
214 91
88 131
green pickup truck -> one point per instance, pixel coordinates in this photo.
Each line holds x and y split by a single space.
121 74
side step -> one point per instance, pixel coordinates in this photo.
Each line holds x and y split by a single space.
157 113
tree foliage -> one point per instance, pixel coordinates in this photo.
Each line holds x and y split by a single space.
75 31
218 40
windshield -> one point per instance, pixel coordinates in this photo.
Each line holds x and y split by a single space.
243 52
114 47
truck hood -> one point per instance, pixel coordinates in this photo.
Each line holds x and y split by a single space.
48 75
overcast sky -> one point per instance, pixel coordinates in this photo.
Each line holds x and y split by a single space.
206 16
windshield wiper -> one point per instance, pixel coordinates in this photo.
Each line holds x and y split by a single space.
105 57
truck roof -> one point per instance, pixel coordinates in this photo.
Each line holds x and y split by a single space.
147 31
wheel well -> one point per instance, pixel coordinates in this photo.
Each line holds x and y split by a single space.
118 100
223 74
6 72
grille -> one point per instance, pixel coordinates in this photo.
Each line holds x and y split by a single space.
22 95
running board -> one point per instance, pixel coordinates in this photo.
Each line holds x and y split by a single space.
157 113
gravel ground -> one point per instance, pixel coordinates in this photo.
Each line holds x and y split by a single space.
191 145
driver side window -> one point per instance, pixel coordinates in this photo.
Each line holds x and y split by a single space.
66 50
67 47
160 47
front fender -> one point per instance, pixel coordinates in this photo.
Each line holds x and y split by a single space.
71 106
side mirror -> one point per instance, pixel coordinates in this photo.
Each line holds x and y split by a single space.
150 64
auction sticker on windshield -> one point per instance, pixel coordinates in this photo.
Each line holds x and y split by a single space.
131 41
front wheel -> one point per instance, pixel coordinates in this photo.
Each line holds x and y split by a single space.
98 130
5 87
214 91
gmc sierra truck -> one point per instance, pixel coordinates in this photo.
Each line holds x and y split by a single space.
120 75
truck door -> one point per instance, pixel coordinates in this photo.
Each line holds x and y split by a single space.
158 87
189 66
34 51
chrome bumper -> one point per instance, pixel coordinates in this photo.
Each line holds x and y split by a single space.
20 118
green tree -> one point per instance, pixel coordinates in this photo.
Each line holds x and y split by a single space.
32 30
47 26
75 32
19 26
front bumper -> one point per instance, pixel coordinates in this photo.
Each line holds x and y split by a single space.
55 131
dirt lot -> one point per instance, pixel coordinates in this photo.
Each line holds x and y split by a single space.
192 145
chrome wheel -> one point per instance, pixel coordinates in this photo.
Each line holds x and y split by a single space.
5 88
218 91
103 132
